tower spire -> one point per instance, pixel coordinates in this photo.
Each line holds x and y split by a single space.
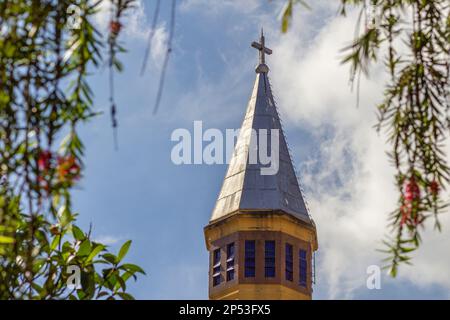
260 237
263 50
244 188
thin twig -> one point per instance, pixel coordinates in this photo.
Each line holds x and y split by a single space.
150 36
166 59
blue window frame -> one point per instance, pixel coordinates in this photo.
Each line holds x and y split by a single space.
216 267
269 259
303 268
250 259
289 262
230 261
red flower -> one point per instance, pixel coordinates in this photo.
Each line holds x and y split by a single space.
68 168
411 195
434 188
114 27
44 163
44 160
412 191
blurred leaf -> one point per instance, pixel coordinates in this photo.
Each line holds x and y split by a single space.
85 248
6 240
98 248
78 234
123 250
132 267
110 258
125 296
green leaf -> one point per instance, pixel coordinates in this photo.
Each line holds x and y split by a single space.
406 250
78 234
37 287
95 252
55 242
125 296
127 275
85 248
286 17
112 281
393 271
120 283
132 268
102 294
288 11
110 258
4 239
123 251
81 294
38 264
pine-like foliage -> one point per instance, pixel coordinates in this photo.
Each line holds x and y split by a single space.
46 50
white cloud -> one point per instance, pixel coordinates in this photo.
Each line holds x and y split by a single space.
158 47
137 28
216 7
108 240
350 184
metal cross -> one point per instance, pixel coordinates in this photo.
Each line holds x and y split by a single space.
262 48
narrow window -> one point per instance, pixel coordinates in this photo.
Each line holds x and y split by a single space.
230 261
250 258
216 267
269 259
289 262
303 267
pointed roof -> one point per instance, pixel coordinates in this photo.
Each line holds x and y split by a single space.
244 187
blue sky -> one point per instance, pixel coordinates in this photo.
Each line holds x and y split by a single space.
138 193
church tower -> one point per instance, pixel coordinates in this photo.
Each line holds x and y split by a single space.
260 237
